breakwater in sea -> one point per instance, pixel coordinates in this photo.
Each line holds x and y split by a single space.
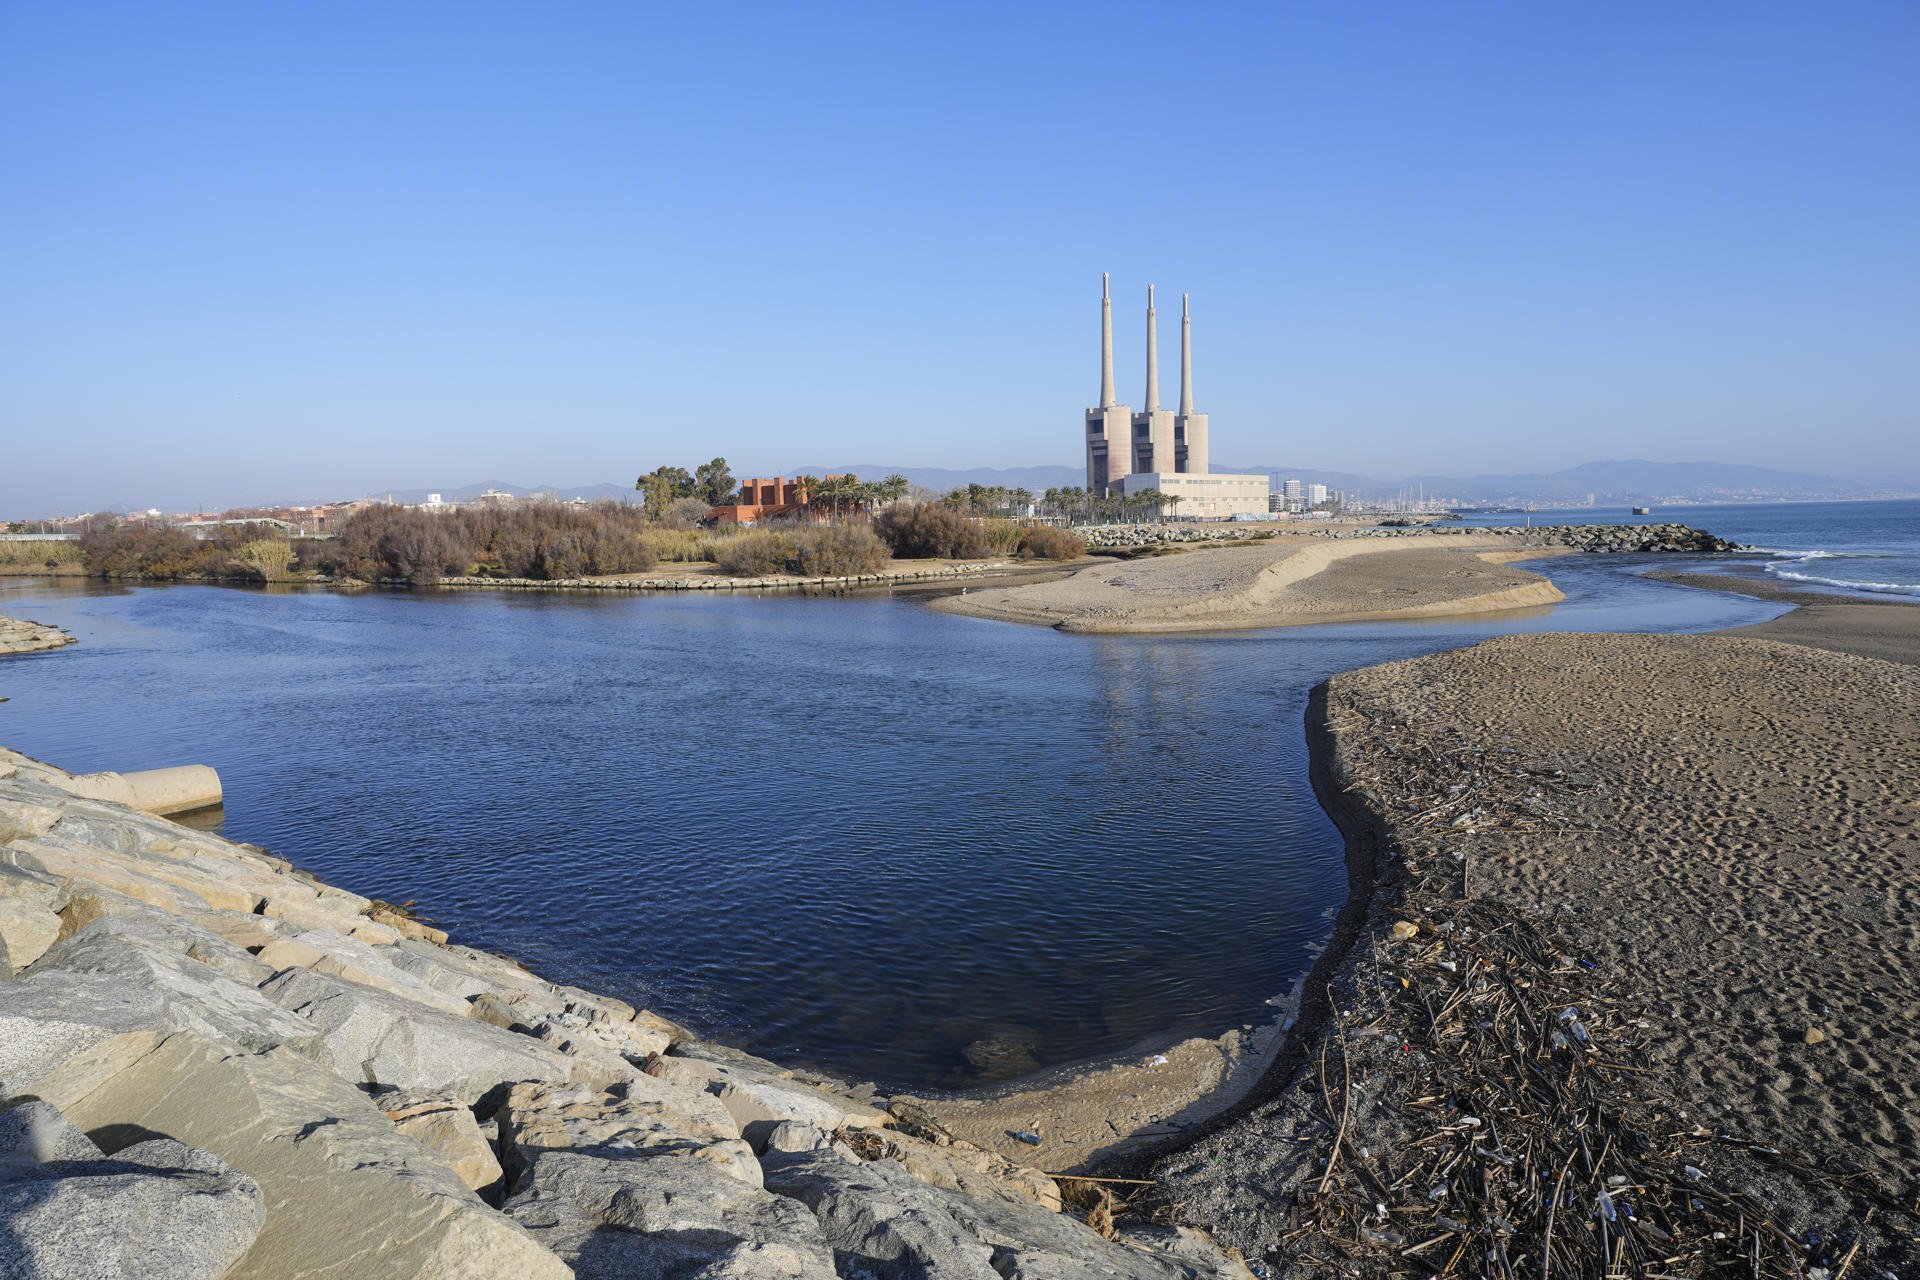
1585 537
212 1064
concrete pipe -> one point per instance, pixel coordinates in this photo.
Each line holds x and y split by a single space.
180 789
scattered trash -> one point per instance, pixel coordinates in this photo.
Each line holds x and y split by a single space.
1027 1136
1159 1060
1405 929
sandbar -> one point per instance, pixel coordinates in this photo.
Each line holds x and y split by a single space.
1287 581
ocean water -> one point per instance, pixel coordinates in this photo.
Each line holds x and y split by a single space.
1849 547
855 832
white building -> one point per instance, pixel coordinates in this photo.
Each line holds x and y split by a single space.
1214 496
1316 494
1157 448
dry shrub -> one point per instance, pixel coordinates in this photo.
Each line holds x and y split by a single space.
691 546
543 541
755 554
839 551
1002 536
269 559
922 531
1045 542
59 559
142 550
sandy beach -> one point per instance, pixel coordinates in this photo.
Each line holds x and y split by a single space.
1635 919
1288 581
1868 626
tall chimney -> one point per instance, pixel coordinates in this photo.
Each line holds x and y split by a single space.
1186 357
1106 345
1153 357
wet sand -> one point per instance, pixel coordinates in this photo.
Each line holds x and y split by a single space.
1288 581
1866 626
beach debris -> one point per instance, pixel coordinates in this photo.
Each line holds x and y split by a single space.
1405 929
1158 1060
1027 1136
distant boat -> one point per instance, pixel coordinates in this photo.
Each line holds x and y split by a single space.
1643 511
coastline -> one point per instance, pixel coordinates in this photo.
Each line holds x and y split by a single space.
1866 626
1384 772
1246 1077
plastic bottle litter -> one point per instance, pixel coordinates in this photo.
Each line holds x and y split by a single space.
1029 1137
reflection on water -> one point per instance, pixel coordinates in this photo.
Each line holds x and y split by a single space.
853 832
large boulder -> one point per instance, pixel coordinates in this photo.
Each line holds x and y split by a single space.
342 956
157 1210
637 1115
347 1197
380 1038
664 1214
62 1034
182 964
879 1218
759 1095
445 1126
33 1132
648 1179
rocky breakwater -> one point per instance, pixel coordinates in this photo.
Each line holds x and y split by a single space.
212 1064
20 636
1156 535
1581 537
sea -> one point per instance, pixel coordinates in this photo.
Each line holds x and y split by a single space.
853 833
1870 548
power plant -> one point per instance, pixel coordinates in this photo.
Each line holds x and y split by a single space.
1159 449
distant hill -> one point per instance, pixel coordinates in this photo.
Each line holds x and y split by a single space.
1638 478
1609 483
468 492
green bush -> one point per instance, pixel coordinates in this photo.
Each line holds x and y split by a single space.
919 532
1045 542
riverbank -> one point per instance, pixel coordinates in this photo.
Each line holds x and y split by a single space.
17 635
1285 581
1630 972
214 1065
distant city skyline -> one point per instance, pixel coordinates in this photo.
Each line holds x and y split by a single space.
269 252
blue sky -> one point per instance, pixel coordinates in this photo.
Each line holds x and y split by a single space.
259 251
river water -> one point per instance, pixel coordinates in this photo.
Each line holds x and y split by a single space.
848 832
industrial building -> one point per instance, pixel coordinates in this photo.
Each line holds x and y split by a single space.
1160 449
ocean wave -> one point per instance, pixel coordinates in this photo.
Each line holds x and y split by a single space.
1879 588
1786 554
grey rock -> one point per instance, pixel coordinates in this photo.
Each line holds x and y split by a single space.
157 1210
62 1034
381 1038
348 1198
663 1213
170 958
32 1132
879 1218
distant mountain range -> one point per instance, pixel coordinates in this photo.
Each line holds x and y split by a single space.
1610 483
